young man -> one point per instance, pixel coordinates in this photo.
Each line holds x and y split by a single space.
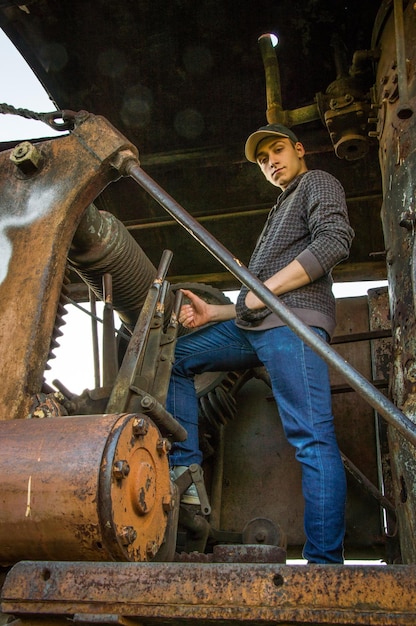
306 234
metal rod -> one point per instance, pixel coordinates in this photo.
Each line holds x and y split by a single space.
367 484
94 336
357 381
109 343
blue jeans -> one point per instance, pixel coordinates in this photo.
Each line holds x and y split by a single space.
300 385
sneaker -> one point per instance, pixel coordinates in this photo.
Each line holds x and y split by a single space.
190 496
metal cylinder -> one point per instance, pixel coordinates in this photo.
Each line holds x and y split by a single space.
82 488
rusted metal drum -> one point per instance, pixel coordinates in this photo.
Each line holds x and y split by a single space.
83 488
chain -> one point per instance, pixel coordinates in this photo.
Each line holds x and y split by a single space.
58 120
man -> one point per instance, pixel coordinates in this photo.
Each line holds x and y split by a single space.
306 234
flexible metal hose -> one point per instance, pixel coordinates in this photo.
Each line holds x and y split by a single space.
103 245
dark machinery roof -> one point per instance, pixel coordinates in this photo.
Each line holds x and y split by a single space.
185 83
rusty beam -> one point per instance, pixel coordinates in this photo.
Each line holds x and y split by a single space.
231 592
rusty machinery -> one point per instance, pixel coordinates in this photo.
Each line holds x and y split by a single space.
81 493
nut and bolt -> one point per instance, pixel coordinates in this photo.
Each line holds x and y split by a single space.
163 446
127 535
140 426
26 157
147 402
121 469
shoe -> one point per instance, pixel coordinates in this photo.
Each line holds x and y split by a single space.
190 496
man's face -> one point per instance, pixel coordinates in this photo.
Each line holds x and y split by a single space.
280 160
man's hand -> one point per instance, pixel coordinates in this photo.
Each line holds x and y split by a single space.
198 312
194 314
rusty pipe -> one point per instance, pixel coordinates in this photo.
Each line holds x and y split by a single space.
275 113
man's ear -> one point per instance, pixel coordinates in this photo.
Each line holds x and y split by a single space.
300 150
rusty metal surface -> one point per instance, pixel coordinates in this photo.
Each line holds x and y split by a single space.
39 214
378 595
87 488
396 126
381 351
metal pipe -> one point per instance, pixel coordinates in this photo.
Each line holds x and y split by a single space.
367 484
110 362
357 381
275 111
94 335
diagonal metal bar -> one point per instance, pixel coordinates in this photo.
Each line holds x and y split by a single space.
358 382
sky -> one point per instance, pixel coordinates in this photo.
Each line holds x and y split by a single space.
21 89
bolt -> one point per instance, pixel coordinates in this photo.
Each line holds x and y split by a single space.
140 426
163 446
127 535
408 219
26 157
151 549
121 469
147 402
167 503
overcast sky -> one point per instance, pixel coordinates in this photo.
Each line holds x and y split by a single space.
21 89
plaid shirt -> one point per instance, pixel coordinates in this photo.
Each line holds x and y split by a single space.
308 223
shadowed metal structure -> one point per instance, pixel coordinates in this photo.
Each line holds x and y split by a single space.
186 85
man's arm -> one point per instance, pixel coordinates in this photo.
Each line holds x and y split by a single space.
198 312
287 279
